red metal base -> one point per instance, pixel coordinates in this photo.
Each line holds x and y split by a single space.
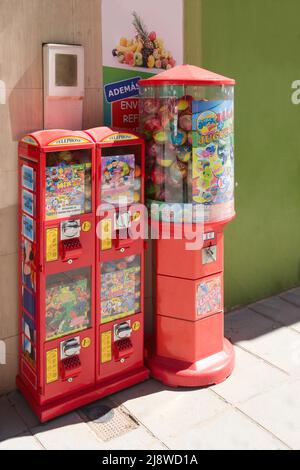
209 371
82 397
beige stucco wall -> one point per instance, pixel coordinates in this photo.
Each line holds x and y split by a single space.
24 26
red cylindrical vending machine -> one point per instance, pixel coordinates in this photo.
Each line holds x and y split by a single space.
187 120
56 270
120 174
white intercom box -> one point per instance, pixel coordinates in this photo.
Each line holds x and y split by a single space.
63 86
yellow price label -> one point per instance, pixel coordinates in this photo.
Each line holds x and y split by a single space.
52 244
86 226
106 234
51 366
106 355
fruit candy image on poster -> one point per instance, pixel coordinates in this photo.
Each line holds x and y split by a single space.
139 39
117 179
213 158
65 190
67 303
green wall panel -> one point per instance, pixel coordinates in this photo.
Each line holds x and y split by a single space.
257 42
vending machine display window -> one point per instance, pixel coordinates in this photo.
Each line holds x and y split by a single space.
68 183
121 175
120 288
68 302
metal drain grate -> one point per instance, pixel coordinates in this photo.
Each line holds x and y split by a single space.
107 420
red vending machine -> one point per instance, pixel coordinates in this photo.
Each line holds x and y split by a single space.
187 120
81 299
56 270
120 247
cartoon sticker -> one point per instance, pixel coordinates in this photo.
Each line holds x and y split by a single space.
209 296
28 265
212 152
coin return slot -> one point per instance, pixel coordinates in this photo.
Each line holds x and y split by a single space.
71 249
123 349
71 366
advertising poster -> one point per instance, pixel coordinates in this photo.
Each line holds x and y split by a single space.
139 39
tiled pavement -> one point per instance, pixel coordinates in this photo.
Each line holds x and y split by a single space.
258 407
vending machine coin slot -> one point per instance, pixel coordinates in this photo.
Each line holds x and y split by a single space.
69 353
70 347
209 254
122 330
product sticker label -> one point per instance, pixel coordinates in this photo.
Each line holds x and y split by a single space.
51 366
28 227
52 244
209 296
208 236
213 159
28 202
106 354
106 234
28 177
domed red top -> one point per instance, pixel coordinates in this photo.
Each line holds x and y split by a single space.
186 75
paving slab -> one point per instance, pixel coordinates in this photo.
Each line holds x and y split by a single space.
170 413
22 442
245 324
65 433
272 342
292 295
251 376
229 430
280 310
278 411
23 409
10 423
